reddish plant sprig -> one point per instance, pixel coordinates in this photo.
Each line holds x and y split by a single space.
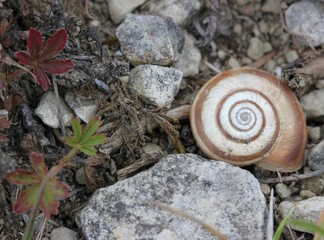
53 191
40 55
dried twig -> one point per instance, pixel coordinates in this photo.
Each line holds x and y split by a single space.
263 60
144 161
293 177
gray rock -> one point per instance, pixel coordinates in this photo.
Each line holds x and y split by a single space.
282 190
85 109
308 209
47 110
307 194
118 9
315 184
304 20
265 189
179 10
152 148
314 133
291 56
150 39
312 103
80 177
316 157
255 49
218 193
63 233
189 59
233 63
320 83
157 84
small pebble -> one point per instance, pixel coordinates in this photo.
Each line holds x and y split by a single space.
264 27
282 190
314 184
221 54
320 84
246 60
233 63
270 65
267 47
291 56
307 194
314 133
265 189
255 49
80 177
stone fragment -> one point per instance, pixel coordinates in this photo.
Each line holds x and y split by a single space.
159 85
85 109
118 9
308 210
147 39
307 194
291 56
304 20
152 148
314 184
233 63
282 190
63 233
47 110
316 157
218 193
314 133
320 84
189 59
179 10
255 49
80 177
313 103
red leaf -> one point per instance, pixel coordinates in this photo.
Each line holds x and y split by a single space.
57 66
22 177
42 78
55 44
40 58
34 43
26 199
38 163
53 191
24 58
4 123
3 138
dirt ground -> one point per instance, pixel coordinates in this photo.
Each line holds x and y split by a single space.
129 121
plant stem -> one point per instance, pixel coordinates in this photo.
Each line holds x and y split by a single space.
51 173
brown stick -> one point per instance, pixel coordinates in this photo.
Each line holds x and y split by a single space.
294 177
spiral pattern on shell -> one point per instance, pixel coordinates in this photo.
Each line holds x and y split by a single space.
244 116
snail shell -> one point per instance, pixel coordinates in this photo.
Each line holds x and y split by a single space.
245 116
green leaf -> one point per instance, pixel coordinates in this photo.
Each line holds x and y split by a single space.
72 141
282 226
96 139
89 150
86 140
77 129
308 226
90 129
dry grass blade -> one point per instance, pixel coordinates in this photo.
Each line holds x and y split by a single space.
315 67
182 214
270 218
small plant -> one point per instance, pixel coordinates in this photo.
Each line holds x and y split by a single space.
44 188
40 55
317 229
